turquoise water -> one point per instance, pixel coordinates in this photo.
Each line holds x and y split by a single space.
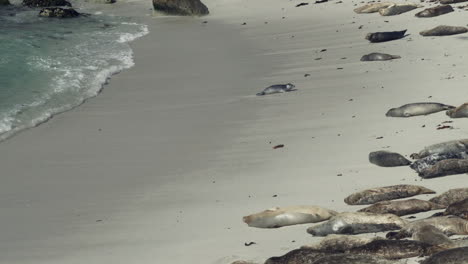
48 66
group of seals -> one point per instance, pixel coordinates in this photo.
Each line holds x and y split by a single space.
425 163
416 109
277 88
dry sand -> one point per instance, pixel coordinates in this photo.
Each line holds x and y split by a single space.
163 164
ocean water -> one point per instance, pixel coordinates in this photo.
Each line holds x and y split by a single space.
48 66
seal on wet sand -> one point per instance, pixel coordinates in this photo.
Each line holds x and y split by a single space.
278 88
449 225
371 8
451 196
285 216
375 56
416 109
449 256
357 223
404 207
374 195
385 36
459 112
429 161
397 9
341 243
435 11
396 249
445 168
387 159
443 31
452 146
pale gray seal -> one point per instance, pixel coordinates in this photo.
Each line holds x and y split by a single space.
385 36
461 111
396 249
449 225
374 195
357 223
428 161
397 9
285 216
452 146
341 243
375 56
416 109
387 159
443 31
402 207
278 88
445 168
451 196
449 256
371 8
435 11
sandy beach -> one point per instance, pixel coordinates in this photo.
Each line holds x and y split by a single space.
164 163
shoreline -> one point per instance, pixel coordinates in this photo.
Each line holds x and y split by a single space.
163 164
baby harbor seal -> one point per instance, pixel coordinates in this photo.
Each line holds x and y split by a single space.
435 11
450 256
278 88
452 146
285 216
357 223
371 196
451 196
416 109
404 207
443 31
388 159
445 168
385 36
461 111
375 56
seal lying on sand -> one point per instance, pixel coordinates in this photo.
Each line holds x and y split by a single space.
278 88
443 31
357 223
341 243
371 8
461 111
449 256
459 209
375 56
426 162
416 109
371 196
385 36
404 207
451 196
449 225
452 146
431 235
396 249
285 216
388 159
445 168
435 11
397 9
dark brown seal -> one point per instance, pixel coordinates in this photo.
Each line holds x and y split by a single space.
404 207
443 31
445 168
374 195
451 196
388 159
396 249
385 36
297 256
458 208
450 256
435 11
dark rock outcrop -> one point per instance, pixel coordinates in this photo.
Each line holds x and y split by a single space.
181 7
58 12
45 3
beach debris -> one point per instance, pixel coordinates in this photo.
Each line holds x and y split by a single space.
302 4
285 216
459 112
181 7
449 256
397 9
445 168
404 207
417 109
278 88
429 161
387 159
452 146
306 75
435 11
443 31
321 1
372 7
278 146
374 195
58 12
249 244
396 249
451 196
439 127
341 243
376 56
385 36
357 223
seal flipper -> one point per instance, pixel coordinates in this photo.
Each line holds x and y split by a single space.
260 94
